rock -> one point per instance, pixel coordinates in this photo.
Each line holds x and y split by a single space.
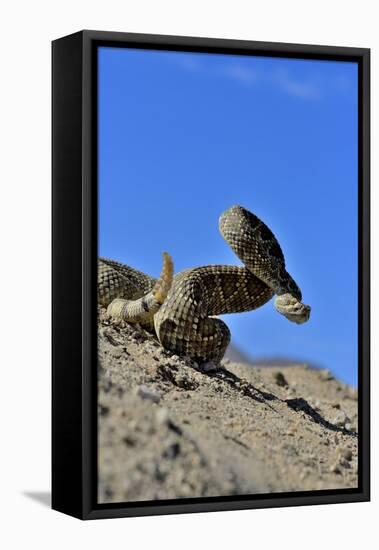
208 367
347 454
335 468
280 379
146 393
341 420
345 463
172 451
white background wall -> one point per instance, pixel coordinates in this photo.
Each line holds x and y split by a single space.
26 31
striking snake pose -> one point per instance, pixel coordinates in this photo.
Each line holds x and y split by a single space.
182 308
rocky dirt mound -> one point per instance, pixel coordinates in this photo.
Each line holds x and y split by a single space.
168 430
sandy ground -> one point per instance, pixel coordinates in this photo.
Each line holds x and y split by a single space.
168 430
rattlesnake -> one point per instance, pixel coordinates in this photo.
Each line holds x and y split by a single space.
182 308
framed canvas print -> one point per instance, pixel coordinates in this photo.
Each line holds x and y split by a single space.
210 274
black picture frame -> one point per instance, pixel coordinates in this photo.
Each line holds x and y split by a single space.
74 205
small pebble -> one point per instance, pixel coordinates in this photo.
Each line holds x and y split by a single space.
280 379
209 366
341 419
335 469
345 463
347 454
147 393
172 451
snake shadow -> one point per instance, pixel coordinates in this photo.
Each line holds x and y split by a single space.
298 404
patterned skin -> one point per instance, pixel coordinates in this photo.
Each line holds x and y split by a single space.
182 308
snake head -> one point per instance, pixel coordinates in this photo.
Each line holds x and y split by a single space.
292 309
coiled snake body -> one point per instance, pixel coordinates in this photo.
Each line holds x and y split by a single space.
181 308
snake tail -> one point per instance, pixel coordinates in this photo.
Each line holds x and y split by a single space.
144 308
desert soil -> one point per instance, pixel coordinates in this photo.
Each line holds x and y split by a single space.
168 430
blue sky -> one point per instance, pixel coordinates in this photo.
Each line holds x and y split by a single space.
183 136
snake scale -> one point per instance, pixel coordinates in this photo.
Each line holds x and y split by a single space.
182 308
